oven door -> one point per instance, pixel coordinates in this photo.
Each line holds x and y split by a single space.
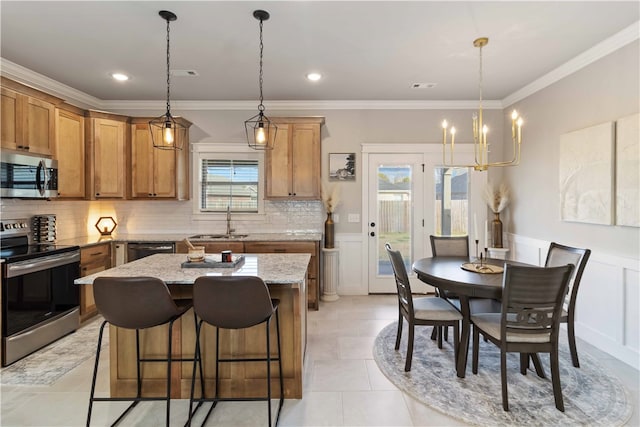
39 303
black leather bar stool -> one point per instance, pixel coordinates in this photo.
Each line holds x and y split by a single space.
234 302
136 303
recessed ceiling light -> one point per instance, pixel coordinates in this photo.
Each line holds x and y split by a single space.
120 77
314 77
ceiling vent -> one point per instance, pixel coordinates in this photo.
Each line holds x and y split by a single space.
184 73
423 85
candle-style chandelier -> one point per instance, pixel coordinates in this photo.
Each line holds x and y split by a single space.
480 131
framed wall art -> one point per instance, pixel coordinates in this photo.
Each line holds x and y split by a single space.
342 166
627 167
586 175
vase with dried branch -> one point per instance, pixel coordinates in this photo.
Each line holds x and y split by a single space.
497 199
331 199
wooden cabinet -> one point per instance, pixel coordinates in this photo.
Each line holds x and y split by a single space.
106 138
212 247
157 173
292 168
93 259
28 119
313 276
69 151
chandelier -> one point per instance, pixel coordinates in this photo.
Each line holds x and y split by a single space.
165 130
261 132
480 131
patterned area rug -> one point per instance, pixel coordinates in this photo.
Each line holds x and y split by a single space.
47 365
591 396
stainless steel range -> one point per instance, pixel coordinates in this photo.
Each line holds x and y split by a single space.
40 302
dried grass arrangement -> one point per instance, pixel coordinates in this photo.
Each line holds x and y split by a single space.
497 198
330 196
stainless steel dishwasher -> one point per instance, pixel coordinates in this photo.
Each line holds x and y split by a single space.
137 250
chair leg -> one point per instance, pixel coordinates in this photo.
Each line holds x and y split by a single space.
399 334
503 375
446 333
572 342
440 328
196 359
537 364
279 367
268 371
476 345
434 333
407 365
555 378
524 363
95 373
169 354
456 341
138 376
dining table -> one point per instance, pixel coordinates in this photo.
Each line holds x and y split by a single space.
447 274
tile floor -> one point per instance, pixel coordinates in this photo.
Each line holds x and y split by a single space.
343 386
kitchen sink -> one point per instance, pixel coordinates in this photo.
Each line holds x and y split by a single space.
217 236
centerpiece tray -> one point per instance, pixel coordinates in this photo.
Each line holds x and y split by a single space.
482 269
214 262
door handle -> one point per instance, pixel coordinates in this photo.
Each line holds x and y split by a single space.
372 234
373 224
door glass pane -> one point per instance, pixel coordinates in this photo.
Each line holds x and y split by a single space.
394 214
452 201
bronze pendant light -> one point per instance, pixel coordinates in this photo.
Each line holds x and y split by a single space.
166 132
261 132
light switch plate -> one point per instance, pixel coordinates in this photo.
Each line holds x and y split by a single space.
353 217
336 217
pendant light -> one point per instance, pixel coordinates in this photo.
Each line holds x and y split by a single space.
166 132
261 132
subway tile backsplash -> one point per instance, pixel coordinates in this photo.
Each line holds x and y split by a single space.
77 218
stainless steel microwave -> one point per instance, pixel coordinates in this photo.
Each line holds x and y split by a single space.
28 176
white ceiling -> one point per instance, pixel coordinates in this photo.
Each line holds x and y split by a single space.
367 50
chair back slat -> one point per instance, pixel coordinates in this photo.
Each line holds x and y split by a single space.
402 279
134 302
232 302
449 245
532 298
562 255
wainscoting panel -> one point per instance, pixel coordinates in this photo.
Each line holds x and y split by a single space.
350 280
608 306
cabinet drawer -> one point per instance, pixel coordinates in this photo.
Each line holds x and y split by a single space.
277 247
93 253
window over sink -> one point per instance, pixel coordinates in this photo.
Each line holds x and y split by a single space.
227 177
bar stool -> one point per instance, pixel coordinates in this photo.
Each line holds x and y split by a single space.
136 303
234 302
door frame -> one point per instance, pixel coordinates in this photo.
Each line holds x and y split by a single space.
465 153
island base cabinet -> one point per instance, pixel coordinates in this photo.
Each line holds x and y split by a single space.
236 379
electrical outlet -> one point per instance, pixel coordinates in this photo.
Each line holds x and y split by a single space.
354 217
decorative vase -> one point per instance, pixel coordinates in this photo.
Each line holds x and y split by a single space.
329 236
496 230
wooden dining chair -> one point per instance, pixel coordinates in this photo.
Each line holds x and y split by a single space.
561 255
529 323
430 311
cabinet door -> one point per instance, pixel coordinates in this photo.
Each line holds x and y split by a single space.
93 259
141 162
305 164
40 133
164 173
212 247
109 155
278 165
12 117
69 152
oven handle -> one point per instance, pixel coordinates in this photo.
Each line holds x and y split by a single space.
21 268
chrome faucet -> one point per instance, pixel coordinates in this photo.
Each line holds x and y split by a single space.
229 229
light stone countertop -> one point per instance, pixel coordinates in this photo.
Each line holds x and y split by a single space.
287 269
84 241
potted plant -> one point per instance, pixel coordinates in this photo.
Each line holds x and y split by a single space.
497 199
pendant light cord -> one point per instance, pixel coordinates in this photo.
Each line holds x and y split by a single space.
261 106
168 74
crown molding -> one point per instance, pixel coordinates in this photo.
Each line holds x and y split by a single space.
75 97
600 50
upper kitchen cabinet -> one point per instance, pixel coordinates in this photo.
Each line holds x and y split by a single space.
69 151
158 173
292 168
106 137
28 119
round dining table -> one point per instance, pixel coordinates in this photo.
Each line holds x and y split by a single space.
447 274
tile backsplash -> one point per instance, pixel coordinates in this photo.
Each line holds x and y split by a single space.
77 218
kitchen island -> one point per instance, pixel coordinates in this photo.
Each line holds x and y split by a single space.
284 274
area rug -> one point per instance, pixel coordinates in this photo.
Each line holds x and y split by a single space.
591 396
47 365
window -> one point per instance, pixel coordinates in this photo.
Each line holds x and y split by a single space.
229 184
452 201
